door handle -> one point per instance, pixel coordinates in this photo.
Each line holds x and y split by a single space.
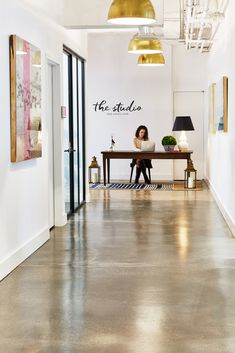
69 150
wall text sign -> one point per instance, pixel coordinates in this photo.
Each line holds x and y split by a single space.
117 109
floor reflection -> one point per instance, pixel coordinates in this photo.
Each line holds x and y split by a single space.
130 272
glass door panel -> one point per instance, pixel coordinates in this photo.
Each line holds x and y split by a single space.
75 134
67 174
74 151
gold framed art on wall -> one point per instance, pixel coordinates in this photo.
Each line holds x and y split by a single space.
221 105
25 74
211 100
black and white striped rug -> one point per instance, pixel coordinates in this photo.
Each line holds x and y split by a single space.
133 186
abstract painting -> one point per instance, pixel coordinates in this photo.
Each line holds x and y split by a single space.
26 127
221 105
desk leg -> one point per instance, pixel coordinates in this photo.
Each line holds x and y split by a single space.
108 161
104 169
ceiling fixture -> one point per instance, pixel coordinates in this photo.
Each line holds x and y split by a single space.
202 19
131 12
145 42
151 60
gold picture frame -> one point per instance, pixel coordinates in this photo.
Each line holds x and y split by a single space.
212 108
25 76
225 95
221 105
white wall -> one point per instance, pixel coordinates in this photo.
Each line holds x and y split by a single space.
24 186
221 146
114 76
189 70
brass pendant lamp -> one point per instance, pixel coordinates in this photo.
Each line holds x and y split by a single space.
145 42
151 60
131 12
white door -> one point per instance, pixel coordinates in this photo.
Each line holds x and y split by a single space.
191 104
50 146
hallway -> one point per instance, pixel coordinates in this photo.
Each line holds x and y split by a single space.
132 272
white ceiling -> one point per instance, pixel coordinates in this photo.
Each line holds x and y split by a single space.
92 14
85 14
53 9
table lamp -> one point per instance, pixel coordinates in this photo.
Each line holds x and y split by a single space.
183 123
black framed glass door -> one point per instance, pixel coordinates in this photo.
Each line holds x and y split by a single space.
74 131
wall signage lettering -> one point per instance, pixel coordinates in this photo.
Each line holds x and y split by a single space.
117 109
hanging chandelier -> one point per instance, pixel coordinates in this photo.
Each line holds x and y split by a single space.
151 60
131 12
145 42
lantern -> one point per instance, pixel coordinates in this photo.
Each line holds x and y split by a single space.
94 171
190 176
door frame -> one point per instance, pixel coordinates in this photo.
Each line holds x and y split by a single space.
72 54
60 216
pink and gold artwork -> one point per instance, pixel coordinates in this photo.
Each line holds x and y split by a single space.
25 64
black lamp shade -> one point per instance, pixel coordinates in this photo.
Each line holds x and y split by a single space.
183 123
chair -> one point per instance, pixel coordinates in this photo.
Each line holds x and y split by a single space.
133 164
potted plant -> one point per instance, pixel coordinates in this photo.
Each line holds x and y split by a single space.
169 143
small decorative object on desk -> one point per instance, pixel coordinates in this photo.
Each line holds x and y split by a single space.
190 176
111 148
94 171
169 143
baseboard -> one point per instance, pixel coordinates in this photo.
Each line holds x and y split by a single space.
229 220
13 260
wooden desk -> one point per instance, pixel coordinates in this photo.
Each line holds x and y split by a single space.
107 155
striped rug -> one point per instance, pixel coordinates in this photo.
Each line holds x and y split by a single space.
133 186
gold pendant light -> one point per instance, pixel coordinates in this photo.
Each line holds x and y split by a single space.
151 60
131 12
145 46
145 42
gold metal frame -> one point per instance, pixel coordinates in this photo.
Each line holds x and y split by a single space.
213 128
34 131
225 96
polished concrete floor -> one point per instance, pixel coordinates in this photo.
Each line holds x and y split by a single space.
132 272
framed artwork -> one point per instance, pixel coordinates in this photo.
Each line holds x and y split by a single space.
212 108
25 73
221 105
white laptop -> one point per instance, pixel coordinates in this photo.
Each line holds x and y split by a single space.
147 146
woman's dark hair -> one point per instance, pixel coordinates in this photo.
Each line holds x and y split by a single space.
146 135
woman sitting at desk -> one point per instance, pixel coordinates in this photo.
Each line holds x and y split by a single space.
141 134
